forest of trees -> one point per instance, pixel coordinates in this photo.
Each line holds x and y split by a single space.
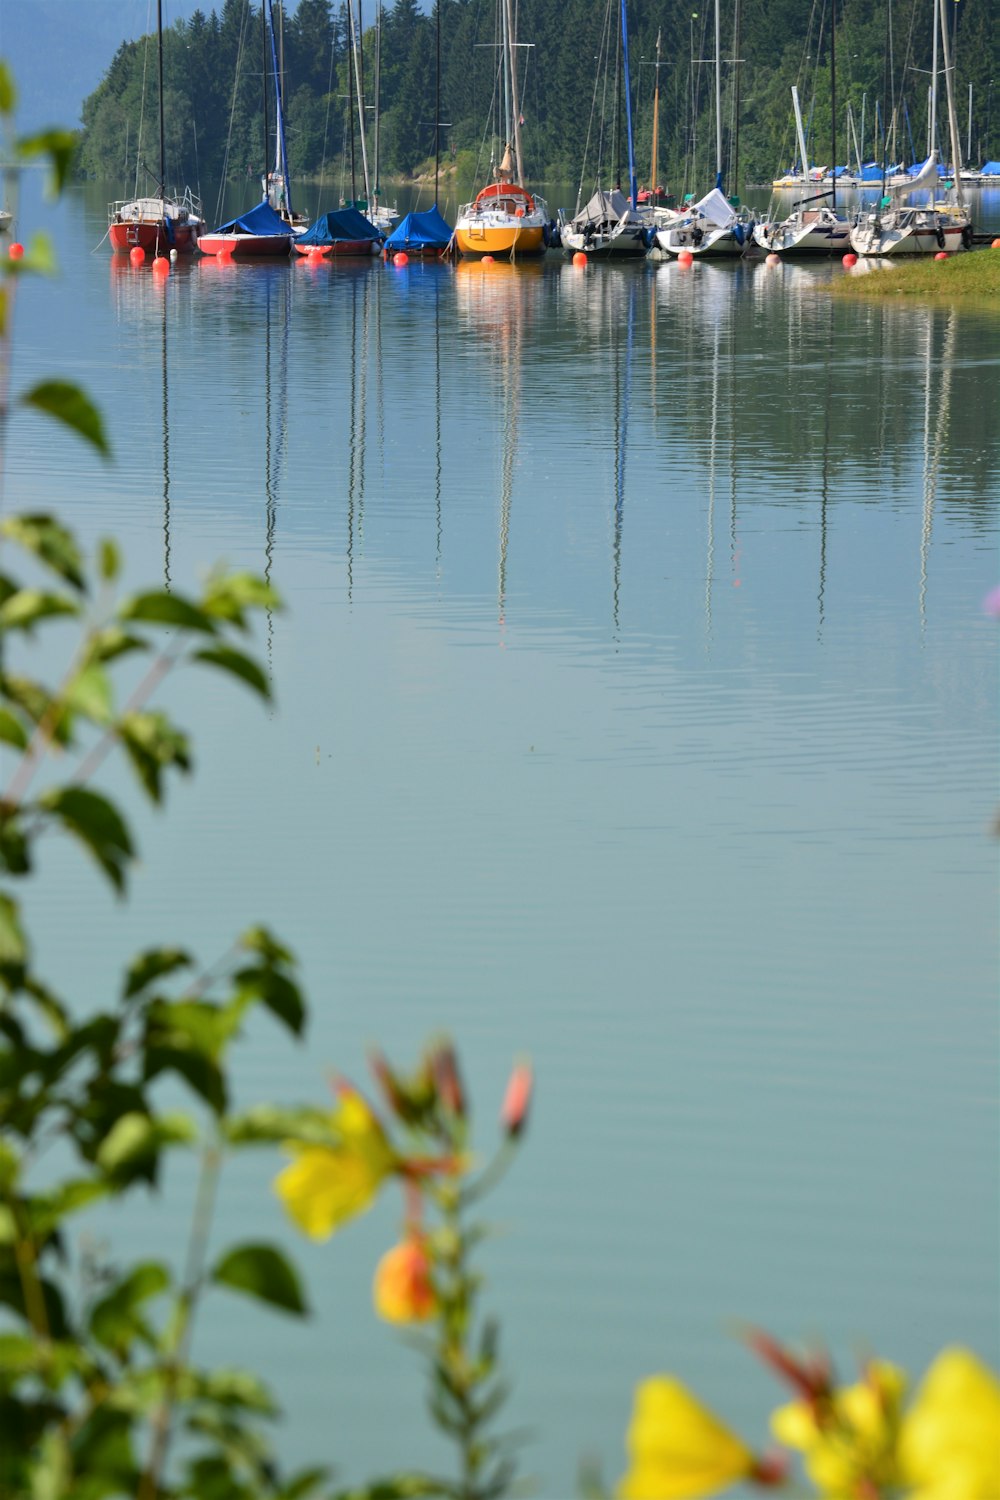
213 87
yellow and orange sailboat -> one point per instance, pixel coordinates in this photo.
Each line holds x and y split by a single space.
505 219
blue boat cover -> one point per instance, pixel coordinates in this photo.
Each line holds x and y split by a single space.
259 220
991 169
338 224
426 231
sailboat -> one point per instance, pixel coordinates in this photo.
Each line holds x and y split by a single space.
901 226
813 227
160 223
610 225
712 226
426 233
267 228
505 219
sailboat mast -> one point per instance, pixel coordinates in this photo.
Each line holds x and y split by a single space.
718 96
437 97
263 82
833 103
956 147
376 190
159 47
359 81
515 103
653 163
282 149
633 194
932 106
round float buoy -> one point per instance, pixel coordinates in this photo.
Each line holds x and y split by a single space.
137 255
401 258
225 252
16 250
995 245
772 260
941 255
173 254
161 265
579 259
487 260
685 258
850 259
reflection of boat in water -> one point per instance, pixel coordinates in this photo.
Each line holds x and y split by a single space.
157 223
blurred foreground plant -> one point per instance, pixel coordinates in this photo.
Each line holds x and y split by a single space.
857 1442
427 1280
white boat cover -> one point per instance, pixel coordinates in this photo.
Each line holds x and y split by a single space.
604 206
716 208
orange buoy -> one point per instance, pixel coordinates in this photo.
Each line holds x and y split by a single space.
16 250
225 252
487 260
685 258
401 258
995 245
772 260
579 259
850 259
941 255
161 265
137 255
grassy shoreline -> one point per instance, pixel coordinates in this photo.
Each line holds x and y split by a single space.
974 274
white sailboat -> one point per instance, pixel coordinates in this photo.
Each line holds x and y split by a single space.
712 226
900 225
813 227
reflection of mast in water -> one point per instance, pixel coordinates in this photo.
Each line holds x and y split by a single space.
437 427
275 430
824 489
934 448
623 385
712 434
166 439
357 425
510 348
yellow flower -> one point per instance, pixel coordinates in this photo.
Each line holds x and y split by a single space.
849 1440
327 1185
678 1449
403 1289
950 1442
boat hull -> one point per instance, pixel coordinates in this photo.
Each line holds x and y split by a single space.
504 240
245 246
715 243
818 239
910 239
157 238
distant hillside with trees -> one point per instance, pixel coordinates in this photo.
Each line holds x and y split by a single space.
213 87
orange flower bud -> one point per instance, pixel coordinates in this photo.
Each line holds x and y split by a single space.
404 1287
517 1099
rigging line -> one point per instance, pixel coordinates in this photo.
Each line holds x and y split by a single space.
590 122
326 129
240 44
142 97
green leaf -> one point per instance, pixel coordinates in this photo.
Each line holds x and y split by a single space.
260 940
395 1487
13 944
157 608
281 996
268 1124
8 91
15 852
98 825
36 704
71 406
108 559
60 148
201 1072
263 1272
115 1320
111 642
90 694
49 541
152 965
152 744
229 595
12 731
236 664
136 1140
25 608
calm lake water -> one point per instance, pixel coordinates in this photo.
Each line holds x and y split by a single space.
635 710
